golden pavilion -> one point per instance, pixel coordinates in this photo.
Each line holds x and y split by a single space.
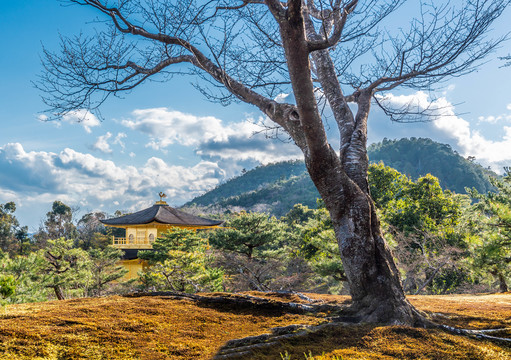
144 226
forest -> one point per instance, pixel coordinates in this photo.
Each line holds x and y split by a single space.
442 241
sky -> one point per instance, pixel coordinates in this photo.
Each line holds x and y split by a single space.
168 137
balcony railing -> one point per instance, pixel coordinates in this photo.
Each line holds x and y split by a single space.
136 243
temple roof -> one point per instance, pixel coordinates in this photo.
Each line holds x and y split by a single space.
163 214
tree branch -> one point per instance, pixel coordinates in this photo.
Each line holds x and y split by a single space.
339 18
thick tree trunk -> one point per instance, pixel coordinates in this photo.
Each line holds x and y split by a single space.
372 275
341 180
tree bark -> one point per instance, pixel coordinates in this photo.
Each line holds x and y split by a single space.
502 283
373 278
58 292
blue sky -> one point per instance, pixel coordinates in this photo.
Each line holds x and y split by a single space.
167 137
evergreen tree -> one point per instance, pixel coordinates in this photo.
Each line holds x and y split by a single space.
316 243
13 237
64 267
181 261
7 287
26 270
58 224
492 217
423 223
254 250
105 269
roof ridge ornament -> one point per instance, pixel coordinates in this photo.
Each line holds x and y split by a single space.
161 202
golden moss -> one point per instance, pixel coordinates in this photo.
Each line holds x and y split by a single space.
468 311
160 328
127 328
394 342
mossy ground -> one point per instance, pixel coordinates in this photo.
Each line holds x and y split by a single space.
161 328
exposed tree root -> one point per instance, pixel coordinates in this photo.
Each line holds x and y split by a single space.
300 295
237 348
382 311
246 301
493 330
478 334
342 316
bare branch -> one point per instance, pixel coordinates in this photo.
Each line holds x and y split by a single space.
338 17
243 4
433 49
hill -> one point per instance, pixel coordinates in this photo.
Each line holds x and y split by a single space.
418 157
252 180
275 188
166 327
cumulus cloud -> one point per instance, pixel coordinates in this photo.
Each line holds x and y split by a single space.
26 171
469 140
250 142
102 144
79 178
211 137
166 127
7 195
83 117
281 98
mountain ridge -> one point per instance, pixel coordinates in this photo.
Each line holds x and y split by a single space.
276 187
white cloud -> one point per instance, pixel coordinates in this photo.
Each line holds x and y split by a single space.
494 153
166 127
281 98
448 89
7 195
83 117
494 119
118 140
102 144
83 179
248 141
211 137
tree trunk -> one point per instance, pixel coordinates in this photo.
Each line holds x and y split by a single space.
58 292
341 180
502 283
429 278
373 278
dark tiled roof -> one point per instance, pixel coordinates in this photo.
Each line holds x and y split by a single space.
163 214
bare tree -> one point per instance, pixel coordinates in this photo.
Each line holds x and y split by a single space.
327 52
